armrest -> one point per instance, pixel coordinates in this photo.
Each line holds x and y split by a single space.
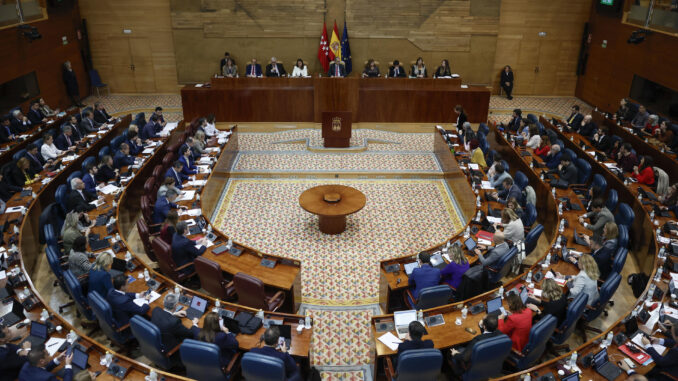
230 288
83 276
171 352
183 266
409 296
388 368
234 361
277 295
669 376
124 327
516 353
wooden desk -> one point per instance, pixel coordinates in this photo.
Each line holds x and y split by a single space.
374 100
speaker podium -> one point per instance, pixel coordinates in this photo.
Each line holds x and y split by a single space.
336 129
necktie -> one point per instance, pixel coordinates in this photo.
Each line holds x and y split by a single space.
68 139
252 69
395 72
337 69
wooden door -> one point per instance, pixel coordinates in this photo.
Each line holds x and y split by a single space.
142 58
122 80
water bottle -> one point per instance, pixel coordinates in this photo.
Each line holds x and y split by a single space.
108 359
501 291
658 275
26 292
659 232
146 275
560 208
478 201
152 376
527 377
640 197
561 229
662 252
308 322
420 315
553 192
652 215
608 339
260 314
177 290
573 360
478 216
528 279
128 257
541 177
467 232
229 244
531 164
44 315
464 312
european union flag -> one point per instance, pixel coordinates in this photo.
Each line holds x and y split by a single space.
346 51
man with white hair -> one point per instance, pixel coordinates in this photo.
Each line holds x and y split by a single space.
20 123
79 197
275 69
172 331
553 157
587 126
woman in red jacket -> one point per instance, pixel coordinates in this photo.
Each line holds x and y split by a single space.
544 147
643 172
517 325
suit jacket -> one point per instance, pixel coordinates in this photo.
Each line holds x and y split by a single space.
604 143
506 77
177 176
569 174
33 373
189 167
19 126
422 277
172 331
461 119
7 189
414 344
100 281
161 209
35 116
105 173
134 149
604 256
184 251
514 191
466 355
552 160
269 70
514 123
556 308
87 126
667 363
77 132
17 177
36 161
123 306
332 72
575 119
10 362
148 132
401 72
517 326
62 142
587 129
290 366
583 284
493 255
76 199
257 70
101 116
5 133
121 160
90 183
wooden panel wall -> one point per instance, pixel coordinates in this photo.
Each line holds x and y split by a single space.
520 46
610 70
46 56
149 47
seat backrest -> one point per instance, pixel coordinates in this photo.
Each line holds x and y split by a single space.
258 367
571 153
211 278
599 181
201 360
145 236
625 215
95 78
540 334
435 296
140 120
532 237
158 173
482 127
163 252
607 290
50 215
104 314
623 237
19 154
487 357
250 291
490 157
53 259
150 341
115 143
521 180
505 164
168 159
60 197
75 290
612 198
503 265
89 160
530 215
574 311
105 150
619 259
532 118
149 184
583 171
72 176
50 235
146 208
419 365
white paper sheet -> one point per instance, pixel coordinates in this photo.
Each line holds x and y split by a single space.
390 340
15 209
486 185
637 340
53 344
141 301
186 195
474 166
493 220
109 189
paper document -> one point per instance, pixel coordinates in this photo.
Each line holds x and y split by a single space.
15 209
198 85
486 185
97 202
186 195
637 340
53 344
493 220
147 151
141 301
464 86
109 189
197 183
390 340
474 166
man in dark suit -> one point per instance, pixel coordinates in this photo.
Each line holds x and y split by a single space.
666 367
65 140
12 357
511 189
73 123
163 206
169 323
602 252
227 55
34 114
587 126
275 69
183 249
6 134
39 367
415 331
38 163
337 69
490 258
601 140
150 129
423 276
253 69
514 123
88 125
100 114
396 71
488 327
567 171
79 197
175 173
161 119
19 122
122 158
575 117
122 302
272 349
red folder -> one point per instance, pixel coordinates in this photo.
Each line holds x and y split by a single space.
639 357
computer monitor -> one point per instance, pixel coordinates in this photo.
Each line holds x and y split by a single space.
404 318
494 304
119 264
198 303
600 358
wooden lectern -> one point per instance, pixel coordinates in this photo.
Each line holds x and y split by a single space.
337 129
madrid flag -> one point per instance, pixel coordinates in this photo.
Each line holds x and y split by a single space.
324 51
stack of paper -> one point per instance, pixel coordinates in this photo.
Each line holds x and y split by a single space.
190 212
486 185
186 195
141 301
109 189
390 340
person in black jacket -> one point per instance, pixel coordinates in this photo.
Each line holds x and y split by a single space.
415 331
213 331
79 197
461 116
169 323
100 114
462 356
575 117
275 69
7 188
183 249
396 71
567 170
36 162
20 174
602 140
507 81
19 123
106 170
6 133
71 82
12 357
34 113
553 302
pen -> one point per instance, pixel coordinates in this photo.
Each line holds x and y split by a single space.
53 344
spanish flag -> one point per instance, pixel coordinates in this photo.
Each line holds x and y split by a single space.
335 42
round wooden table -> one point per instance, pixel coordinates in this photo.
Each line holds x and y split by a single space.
332 203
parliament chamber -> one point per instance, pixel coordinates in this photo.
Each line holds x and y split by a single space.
473 192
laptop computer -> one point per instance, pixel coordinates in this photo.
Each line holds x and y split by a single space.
647 194
437 261
574 376
38 334
402 321
470 244
578 239
197 308
14 316
118 267
285 334
493 212
494 306
99 244
409 267
604 367
80 359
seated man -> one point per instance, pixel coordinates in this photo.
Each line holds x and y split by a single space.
640 120
37 162
89 178
163 206
122 158
567 171
149 131
272 349
337 69
122 302
38 367
598 216
175 172
34 114
161 119
20 123
396 71
12 357
462 356
6 134
79 197
500 174
424 276
553 157
516 120
183 249
72 122
65 140
88 125
275 69
626 159
186 158
253 69
575 117
511 189
415 331
169 322
100 114
601 140
492 256
587 126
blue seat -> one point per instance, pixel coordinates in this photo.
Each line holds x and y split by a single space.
606 292
490 157
50 215
583 171
505 164
624 215
201 360
521 180
482 127
73 175
54 261
532 237
61 195
612 198
529 216
532 118
487 358
416 365
115 143
619 260
102 310
95 80
561 144
574 311
571 153
103 152
500 269
38 143
258 367
540 333
431 297
50 236
484 146
599 181
85 163
150 342
140 120
19 154
623 237
75 290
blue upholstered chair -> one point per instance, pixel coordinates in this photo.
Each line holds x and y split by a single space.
520 180
612 198
532 237
150 342
258 367
430 297
416 365
624 215
529 217
89 160
606 292
487 358
499 269
102 310
619 259
540 333
75 290
201 360
574 311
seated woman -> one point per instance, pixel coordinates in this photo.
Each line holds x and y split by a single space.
544 147
99 276
553 302
586 281
300 69
20 173
643 172
665 136
167 185
70 231
107 171
513 204
213 331
454 270
199 143
169 227
48 149
477 155
371 69
534 140
513 226
230 69
78 258
443 70
518 323
418 69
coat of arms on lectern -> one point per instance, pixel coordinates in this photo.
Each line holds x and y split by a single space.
336 124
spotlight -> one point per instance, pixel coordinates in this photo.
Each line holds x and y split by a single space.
638 36
30 32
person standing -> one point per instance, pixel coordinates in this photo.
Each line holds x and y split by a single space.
71 82
507 81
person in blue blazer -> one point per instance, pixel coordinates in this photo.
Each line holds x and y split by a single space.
89 178
150 129
183 249
122 158
99 276
12 357
666 366
424 276
553 157
253 69
122 302
163 206
134 142
65 140
186 158
35 159
213 331
39 367
271 349
175 172
190 144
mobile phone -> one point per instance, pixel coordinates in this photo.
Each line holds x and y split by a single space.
69 350
281 341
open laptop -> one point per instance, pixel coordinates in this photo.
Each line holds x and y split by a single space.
437 261
604 367
470 244
99 244
80 359
38 334
402 321
119 266
494 307
14 316
493 212
574 376
197 308
578 239
409 267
